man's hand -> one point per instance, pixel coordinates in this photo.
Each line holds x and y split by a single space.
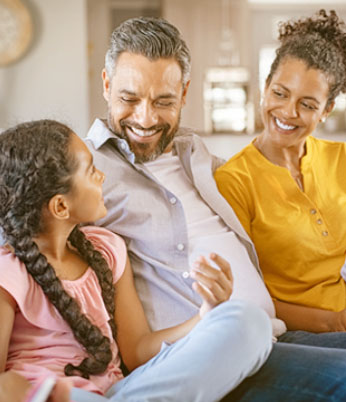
214 285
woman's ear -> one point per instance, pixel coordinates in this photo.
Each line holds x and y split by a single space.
327 111
58 207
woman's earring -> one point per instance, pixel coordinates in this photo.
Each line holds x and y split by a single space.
323 119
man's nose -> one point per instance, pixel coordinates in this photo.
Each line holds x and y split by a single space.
146 115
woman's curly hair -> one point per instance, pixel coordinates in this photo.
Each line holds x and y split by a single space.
35 165
318 41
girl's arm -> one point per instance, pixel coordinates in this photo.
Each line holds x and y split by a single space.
137 344
7 313
311 319
13 387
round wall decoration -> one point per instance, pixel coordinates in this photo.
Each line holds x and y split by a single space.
15 30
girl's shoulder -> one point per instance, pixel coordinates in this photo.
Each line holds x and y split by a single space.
13 274
31 301
110 245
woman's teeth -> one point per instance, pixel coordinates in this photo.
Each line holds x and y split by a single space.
283 126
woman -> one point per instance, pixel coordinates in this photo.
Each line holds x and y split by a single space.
60 314
288 188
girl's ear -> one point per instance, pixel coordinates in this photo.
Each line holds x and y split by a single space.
58 207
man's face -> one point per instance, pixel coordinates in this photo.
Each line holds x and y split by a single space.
144 103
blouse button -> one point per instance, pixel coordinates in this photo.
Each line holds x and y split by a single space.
319 221
313 211
173 200
180 246
324 233
185 274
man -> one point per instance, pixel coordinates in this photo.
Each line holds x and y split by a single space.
161 197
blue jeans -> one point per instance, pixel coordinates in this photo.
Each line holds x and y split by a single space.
324 339
232 342
292 373
302 367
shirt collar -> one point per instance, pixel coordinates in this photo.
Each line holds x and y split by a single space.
99 134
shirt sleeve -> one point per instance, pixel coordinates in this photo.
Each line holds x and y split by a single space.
111 246
233 190
29 296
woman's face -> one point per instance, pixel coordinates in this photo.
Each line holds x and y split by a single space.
294 103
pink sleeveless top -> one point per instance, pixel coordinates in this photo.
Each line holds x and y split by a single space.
42 343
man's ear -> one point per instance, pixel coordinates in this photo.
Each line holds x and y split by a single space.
185 89
58 207
106 85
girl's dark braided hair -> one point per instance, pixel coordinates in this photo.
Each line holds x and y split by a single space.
35 165
318 41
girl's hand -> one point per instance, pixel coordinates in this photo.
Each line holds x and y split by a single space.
213 284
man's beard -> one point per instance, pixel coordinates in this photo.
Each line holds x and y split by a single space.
144 152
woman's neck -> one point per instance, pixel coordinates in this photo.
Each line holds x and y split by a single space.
288 157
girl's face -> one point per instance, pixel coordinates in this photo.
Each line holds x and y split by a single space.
294 103
85 198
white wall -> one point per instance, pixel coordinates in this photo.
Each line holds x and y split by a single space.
199 22
51 80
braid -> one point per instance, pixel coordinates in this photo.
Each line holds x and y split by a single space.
35 165
96 261
87 334
318 41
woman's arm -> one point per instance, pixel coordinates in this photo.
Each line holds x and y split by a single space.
137 344
311 319
7 313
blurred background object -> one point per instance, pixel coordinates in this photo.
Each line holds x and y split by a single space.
232 44
15 30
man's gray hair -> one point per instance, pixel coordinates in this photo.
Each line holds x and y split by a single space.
151 37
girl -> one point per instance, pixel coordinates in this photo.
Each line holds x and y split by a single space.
67 299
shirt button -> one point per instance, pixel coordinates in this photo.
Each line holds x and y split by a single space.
313 211
173 200
122 146
324 233
185 274
180 246
319 221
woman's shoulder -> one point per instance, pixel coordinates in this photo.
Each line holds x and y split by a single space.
328 149
326 144
241 162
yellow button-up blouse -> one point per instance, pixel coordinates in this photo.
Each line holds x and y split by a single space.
300 236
